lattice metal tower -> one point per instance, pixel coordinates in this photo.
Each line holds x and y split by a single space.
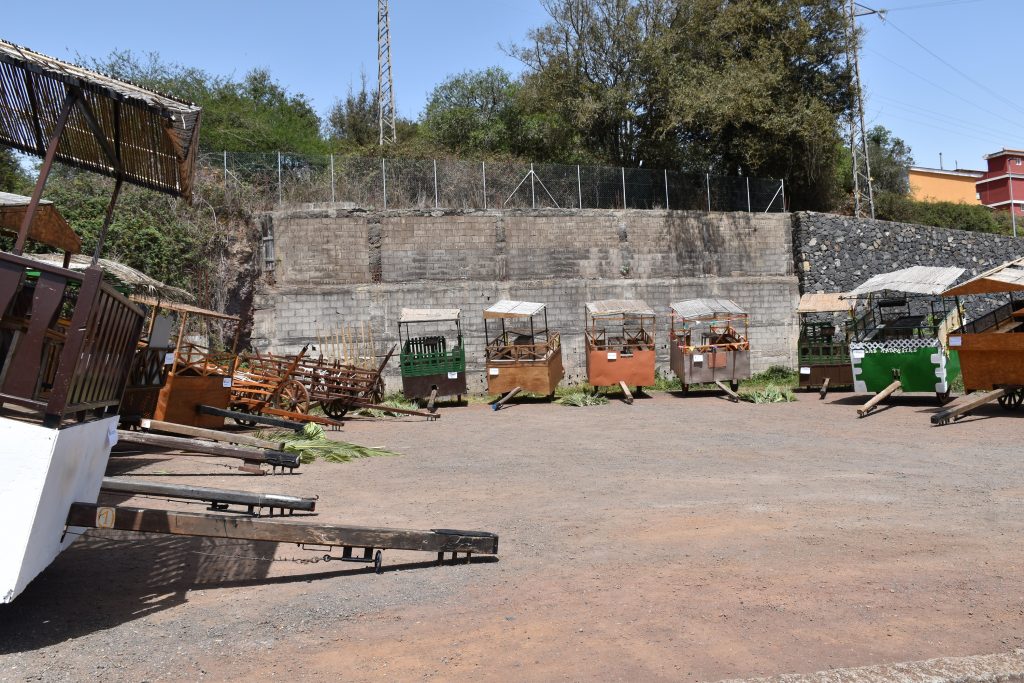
385 85
863 195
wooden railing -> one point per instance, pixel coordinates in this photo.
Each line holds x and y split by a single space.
501 349
67 340
627 341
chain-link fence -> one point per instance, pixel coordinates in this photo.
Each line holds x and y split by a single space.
454 184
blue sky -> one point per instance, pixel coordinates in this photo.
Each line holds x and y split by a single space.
963 100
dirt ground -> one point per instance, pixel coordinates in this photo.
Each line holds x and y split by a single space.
674 539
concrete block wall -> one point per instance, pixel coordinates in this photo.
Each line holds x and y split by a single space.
469 260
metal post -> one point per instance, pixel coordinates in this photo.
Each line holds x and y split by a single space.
332 180
1013 213
579 185
782 189
225 170
384 176
748 194
666 189
707 177
533 191
435 183
623 168
483 172
280 190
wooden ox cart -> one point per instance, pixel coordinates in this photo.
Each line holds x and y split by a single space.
708 343
431 364
823 349
619 339
524 355
899 342
991 347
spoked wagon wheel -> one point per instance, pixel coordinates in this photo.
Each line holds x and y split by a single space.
377 392
1011 400
291 396
335 409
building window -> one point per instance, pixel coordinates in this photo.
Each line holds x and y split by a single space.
1016 161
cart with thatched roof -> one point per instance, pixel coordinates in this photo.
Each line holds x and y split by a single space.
524 354
823 349
708 342
899 342
991 346
432 365
619 339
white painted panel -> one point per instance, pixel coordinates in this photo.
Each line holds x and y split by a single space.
47 470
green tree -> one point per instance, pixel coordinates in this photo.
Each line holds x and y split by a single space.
586 70
890 158
353 124
12 177
474 112
756 87
254 114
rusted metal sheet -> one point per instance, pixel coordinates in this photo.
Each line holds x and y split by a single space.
527 357
619 341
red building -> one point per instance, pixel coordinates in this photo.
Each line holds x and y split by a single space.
1002 186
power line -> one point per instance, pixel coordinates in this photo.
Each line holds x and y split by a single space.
938 3
966 76
966 124
946 90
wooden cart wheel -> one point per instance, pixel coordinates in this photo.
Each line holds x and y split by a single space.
1011 400
684 389
377 393
943 397
335 409
291 396
734 385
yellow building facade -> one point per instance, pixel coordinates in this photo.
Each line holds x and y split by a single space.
937 185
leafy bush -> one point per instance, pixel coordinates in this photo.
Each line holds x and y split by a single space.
311 444
972 217
580 398
769 394
776 374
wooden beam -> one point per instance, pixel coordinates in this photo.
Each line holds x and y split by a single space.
966 404
733 396
824 388
626 393
878 398
249 417
254 529
97 132
253 501
209 448
500 402
212 434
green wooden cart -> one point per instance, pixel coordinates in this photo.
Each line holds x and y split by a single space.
823 350
432 364
899 342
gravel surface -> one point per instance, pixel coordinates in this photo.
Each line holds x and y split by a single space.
677 538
